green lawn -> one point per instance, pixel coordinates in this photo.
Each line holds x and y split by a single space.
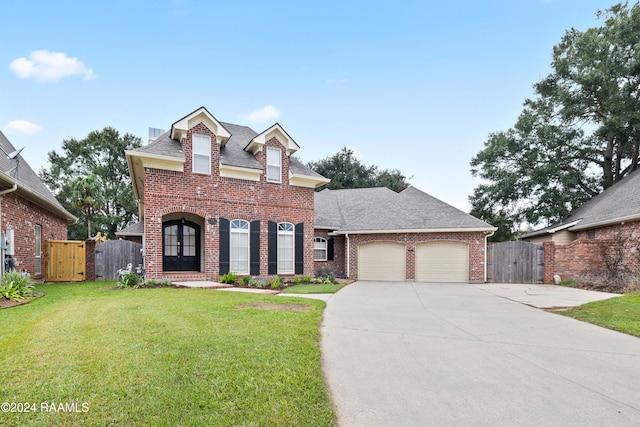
619 313
313 288
163 357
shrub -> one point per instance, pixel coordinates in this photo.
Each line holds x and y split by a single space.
297 280
229 278
165 282
326 274
15 286
276 282
306 279
246 280
129 280
151 282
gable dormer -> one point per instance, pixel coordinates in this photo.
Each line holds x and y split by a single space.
257 144
180 128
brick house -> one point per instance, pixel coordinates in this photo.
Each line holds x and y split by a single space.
216 197
29 213
607 225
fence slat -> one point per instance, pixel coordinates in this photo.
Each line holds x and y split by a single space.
114 255
515 262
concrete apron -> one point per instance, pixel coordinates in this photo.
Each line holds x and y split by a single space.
544 296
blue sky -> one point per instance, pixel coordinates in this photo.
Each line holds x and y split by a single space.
409 85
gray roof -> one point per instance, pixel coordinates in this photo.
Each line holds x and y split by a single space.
618 203
232 154
383 210
135 229
29 183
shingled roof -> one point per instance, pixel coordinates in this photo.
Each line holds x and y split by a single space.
618 203
17 171
380 210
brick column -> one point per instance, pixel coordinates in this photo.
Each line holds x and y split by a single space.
90 260
549 261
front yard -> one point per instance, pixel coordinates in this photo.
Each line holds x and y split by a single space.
174 357
620 314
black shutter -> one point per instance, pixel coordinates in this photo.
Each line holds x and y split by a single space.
254 251
223 250
330 249
272 247
299 242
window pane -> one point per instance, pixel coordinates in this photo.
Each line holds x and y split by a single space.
274 164
285 254
171 241
188 241
319 249
201 153
239 257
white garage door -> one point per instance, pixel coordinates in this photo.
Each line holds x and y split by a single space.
442 262
382 261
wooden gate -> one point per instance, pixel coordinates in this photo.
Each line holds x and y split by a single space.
65 261
515 262
113 255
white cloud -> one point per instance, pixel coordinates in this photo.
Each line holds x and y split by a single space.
22 126
48 66
264 114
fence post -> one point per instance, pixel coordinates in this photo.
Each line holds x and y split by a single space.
549 261
90 260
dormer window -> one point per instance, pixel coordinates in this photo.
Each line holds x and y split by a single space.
274 165
201 154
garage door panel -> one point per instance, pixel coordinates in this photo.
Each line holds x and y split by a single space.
446 262
382 261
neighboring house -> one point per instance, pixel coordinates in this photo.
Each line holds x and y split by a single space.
378 234
30 213
216 197
606 220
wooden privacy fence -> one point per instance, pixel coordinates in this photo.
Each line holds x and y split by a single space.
65 261
113 255
515 262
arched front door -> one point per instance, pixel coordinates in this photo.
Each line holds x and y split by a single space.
180 246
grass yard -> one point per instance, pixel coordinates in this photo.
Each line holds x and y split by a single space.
313 288
162 357
619 313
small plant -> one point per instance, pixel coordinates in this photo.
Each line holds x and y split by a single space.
15 286
165 282
246 280
129 280
229 278
568 282
326 274
306 279
276 282
151 282
297 281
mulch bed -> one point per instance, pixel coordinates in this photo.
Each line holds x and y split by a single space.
7 303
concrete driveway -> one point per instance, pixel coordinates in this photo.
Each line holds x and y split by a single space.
418 354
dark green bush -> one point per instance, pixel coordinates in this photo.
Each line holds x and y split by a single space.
229 278
130 280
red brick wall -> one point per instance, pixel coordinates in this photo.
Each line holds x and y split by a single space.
211 197
583 256
22 216
337 265
476 242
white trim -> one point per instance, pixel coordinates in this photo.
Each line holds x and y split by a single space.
307 181
614 221
239 172
273 156
238 231
426 230
325 249
275 131
563 226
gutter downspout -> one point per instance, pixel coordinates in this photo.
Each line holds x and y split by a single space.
348 254
3 192
486 238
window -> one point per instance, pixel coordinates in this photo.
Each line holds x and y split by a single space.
201 154
38 249
319 249
239 246
274 165
286 253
